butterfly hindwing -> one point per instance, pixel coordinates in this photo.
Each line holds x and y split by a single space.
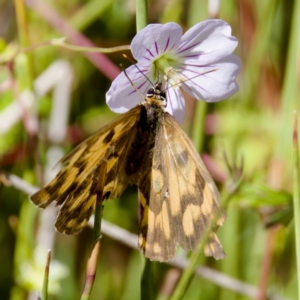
74 187
182 199
78 206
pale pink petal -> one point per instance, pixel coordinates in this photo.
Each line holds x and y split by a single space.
154 40
175 104
207 42
212 86
122 96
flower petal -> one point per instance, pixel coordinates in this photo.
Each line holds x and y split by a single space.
122 96
216 85
175 104
154 40
207 42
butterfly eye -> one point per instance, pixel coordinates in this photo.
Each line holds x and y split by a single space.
162 95
150 93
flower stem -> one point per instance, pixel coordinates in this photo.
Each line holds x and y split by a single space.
147 280
141 14
22 22
290 88
91 268
102 171
100 188
97 220
141 22
296 196
188 273
24 36
198 129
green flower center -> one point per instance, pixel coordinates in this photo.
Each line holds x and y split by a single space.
165 67
165 61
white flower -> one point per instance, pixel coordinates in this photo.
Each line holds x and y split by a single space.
200 61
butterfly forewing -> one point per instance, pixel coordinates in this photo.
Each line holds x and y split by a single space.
74 187
182 200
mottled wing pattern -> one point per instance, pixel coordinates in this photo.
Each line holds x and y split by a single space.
75 186
182 198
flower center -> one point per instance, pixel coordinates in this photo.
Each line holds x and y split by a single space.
165 66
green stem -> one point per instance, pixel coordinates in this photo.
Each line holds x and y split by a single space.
22 23
147 282
97 221
102 171
24 36
92 263
290 89
198 131
141 22
188 273
296 197
141 14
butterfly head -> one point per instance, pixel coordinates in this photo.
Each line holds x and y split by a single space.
156 93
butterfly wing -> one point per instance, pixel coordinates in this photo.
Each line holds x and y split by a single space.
182 198
75 186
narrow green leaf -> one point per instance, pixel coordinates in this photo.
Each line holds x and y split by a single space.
296 193
46 277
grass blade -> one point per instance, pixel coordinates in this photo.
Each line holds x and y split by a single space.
46 277
296 196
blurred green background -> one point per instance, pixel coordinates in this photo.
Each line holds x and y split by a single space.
53 98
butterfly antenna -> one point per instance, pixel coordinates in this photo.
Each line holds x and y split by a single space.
134 86
178 83
157 75
125 56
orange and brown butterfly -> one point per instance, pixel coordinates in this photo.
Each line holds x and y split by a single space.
148 149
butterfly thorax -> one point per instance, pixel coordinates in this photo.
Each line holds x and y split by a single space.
154 104
134 153
144 140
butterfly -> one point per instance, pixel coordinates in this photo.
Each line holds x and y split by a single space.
148 148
